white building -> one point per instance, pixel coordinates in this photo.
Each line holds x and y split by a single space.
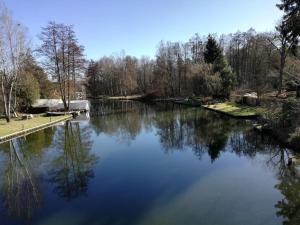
57 105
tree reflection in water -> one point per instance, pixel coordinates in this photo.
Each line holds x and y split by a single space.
177 127
252 143
121 119
204 132
200 130
72 168
24 160
20 190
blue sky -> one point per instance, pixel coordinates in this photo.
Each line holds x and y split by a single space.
106 27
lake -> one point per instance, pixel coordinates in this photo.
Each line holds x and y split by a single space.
148 164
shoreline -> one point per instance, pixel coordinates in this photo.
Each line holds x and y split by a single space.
23 132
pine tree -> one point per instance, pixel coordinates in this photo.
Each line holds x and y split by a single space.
214 55
291 18
92 75
212 52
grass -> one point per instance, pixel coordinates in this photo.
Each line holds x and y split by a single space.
235 110
129 97
18 125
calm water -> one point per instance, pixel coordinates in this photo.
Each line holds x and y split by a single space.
138 164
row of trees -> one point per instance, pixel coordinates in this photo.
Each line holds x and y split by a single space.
204 66
13 52
120 75
198 67
207 66
62 58
22 79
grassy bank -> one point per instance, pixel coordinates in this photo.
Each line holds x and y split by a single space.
235 110
130 97
18 126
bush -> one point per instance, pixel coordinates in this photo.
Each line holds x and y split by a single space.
282 116
290 113
28 91
294 139
292 85
205 81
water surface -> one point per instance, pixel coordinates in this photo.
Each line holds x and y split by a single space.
140 164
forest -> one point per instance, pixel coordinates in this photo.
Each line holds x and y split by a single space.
213 65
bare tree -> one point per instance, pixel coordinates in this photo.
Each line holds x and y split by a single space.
13 50
78 63
285 43
145 73
62 56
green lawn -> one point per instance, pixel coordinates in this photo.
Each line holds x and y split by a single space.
129 97
17 125
236 110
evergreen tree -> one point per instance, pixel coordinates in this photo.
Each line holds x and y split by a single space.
212 52
27 92
291 18
92 75
31 67
226 74
213 55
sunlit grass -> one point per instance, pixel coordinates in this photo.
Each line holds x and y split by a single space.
17 124
129 97
236 110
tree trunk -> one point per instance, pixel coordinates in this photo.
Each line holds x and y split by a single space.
6 100
282 64
74 75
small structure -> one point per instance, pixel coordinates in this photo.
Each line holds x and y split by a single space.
56 105
250 99
27 116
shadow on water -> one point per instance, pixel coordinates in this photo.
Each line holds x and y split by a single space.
61 158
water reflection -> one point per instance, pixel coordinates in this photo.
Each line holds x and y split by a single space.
20 191
72 167
200 130
288 176
24 160
204 132
120 119
177 127
62 161
289 206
